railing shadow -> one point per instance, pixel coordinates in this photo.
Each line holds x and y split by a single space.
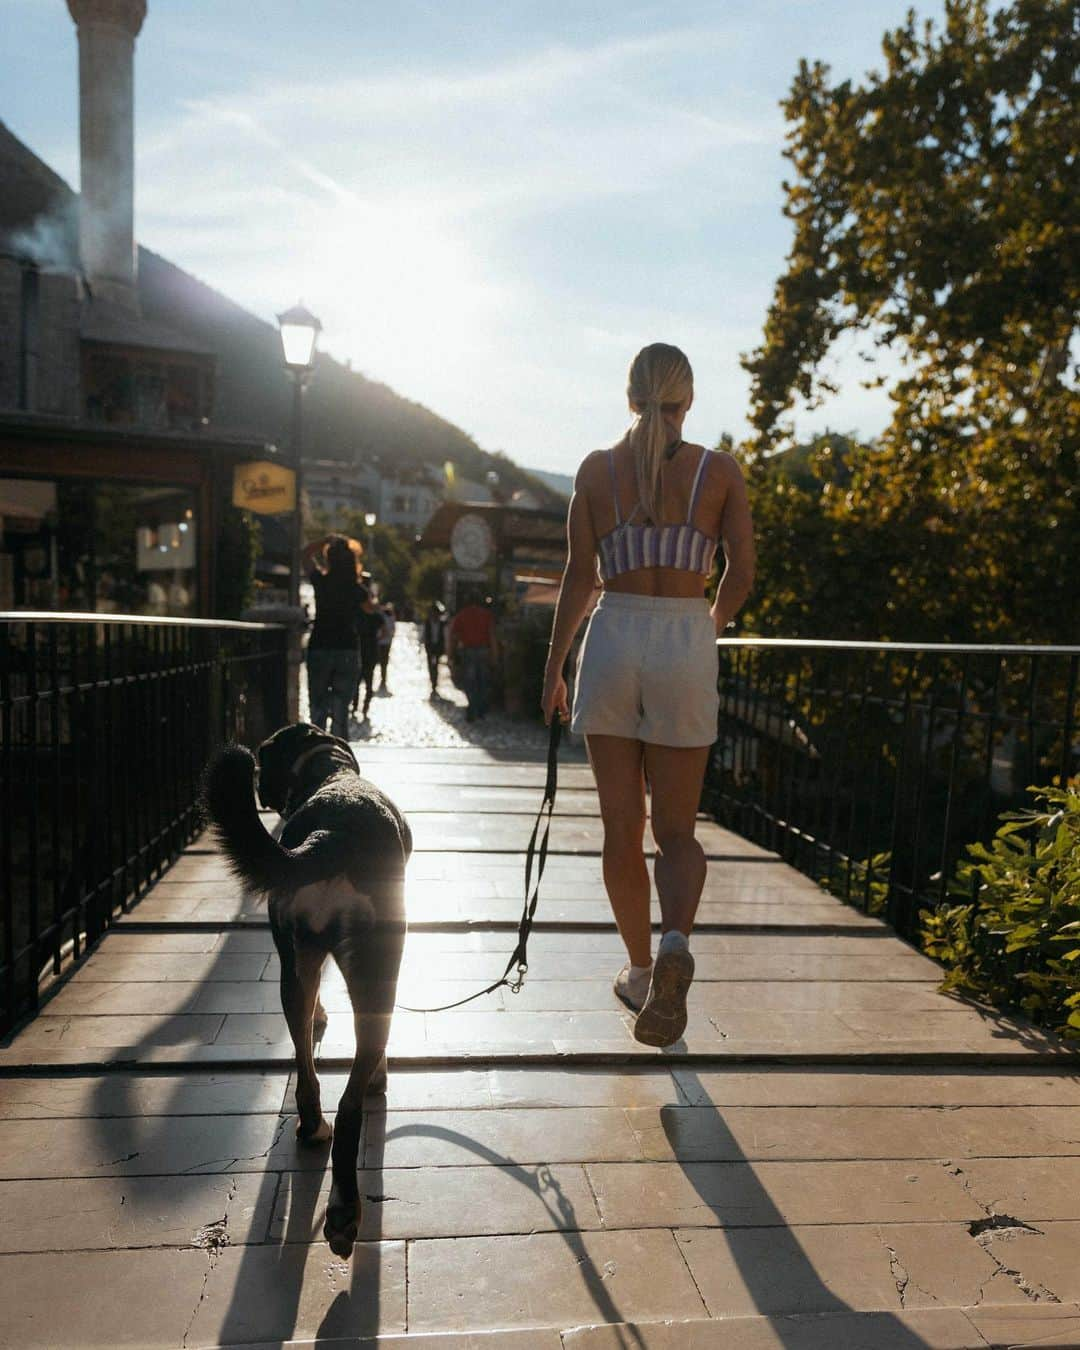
538 1180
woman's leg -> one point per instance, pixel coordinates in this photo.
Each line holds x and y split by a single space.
318 674
675 779
342 685
616 763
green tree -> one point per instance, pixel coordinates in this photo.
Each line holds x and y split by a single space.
935 213
389 557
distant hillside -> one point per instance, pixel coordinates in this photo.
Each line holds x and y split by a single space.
346 415
562 483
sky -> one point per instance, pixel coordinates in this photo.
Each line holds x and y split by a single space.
490 204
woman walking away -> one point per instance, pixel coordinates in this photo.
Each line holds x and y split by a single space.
648 514
433 640
386 637
331 653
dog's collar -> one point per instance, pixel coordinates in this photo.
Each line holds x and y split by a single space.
302 761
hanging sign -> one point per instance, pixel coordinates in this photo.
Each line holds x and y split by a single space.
264 487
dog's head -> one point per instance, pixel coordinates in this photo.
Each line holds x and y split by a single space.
282 752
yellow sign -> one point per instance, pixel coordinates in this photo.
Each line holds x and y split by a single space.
264 487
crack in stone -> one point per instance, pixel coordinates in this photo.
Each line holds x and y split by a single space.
241 1157
897 1270
213 1238
1008 1229
115 1162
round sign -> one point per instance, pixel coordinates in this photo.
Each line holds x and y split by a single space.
470 541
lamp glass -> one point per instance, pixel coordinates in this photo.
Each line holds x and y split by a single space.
369 519
298 343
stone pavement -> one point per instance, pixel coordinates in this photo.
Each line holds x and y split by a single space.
835 1156
408 715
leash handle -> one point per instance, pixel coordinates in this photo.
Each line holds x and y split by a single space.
519 956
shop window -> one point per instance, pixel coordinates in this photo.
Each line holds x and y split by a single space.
105 547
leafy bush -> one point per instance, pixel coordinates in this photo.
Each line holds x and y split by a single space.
1016 938
874 890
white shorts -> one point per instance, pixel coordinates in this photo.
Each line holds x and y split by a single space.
648 670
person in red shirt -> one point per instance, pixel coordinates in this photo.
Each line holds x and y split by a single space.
472 633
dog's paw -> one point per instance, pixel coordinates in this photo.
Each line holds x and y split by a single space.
377 1082
341 1227
320 1133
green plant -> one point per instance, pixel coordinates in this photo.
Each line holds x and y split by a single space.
1016 938
873 889
239 541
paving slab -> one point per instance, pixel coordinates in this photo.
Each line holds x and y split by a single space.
548 1279
865 1267
280 1293
427 1202
511 1135
106 1213
1049 1325
132 1094
763 1194
705 1134
152 1298
926 1329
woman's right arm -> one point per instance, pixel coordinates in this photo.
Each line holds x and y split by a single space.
308 557
575 596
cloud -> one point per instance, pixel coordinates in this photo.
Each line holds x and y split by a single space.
494 242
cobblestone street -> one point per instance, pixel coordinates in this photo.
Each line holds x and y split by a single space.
409 715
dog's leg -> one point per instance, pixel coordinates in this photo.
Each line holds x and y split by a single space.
301 967
370 967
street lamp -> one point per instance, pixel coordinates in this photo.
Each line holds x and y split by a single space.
299 331
369 520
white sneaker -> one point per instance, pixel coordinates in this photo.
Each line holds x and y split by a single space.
662 1019
632 985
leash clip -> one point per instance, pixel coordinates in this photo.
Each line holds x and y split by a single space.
515 985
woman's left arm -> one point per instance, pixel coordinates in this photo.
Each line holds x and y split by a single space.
575 594
737 534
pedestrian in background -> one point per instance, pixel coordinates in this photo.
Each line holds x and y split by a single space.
433 640
369 626
332 647
473 636
386 637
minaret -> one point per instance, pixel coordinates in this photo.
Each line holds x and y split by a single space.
107 32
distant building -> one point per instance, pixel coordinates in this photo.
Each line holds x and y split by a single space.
129 389
339 489
112 483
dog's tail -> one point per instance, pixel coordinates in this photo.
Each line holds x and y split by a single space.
253 855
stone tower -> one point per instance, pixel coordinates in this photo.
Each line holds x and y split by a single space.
107 31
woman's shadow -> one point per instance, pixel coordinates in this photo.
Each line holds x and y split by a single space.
787 1270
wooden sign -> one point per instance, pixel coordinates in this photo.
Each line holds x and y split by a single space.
264 487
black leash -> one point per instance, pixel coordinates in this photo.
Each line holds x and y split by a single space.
519 957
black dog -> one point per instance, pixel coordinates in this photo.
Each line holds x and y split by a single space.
335 884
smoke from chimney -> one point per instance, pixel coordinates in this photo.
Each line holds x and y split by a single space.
107 30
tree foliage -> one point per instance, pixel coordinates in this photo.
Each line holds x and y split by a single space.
935 213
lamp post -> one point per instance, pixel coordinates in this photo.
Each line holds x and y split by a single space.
299 331
369 520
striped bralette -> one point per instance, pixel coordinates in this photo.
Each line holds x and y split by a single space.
629 546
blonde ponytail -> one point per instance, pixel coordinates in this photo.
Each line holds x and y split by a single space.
659 378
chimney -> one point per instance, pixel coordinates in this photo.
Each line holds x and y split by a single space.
107 31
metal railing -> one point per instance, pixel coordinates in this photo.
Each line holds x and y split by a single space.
871 765
106 723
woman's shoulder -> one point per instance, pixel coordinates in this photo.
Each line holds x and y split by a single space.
722 462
